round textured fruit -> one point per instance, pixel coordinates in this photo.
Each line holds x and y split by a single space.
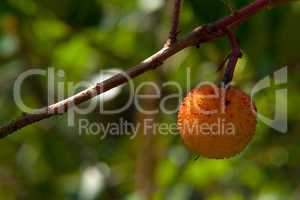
216 123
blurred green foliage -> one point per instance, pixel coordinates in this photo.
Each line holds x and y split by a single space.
50 160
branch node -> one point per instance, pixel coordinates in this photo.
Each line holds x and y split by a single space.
175 23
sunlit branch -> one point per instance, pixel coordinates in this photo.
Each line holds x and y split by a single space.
199 35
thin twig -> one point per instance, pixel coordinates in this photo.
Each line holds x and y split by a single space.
197 36
175 23
222 64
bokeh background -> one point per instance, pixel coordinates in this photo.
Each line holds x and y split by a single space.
51 160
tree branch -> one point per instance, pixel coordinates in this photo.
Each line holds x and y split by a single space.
197 36
234 56
175 23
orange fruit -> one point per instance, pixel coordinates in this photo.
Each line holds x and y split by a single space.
216 123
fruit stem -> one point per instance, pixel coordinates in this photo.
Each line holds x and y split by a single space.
234 56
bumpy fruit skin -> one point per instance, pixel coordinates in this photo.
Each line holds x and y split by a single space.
216 123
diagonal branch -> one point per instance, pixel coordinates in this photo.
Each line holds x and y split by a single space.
199 35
